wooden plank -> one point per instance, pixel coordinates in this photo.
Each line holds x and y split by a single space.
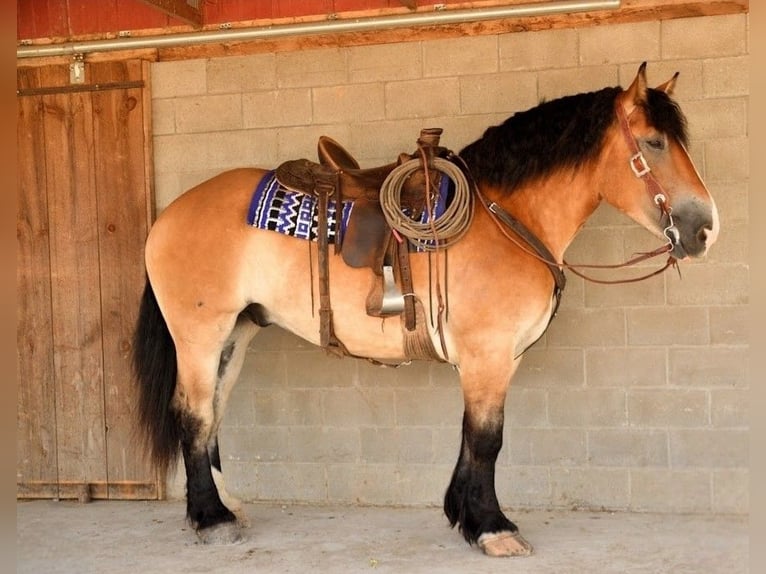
177 9
75 297
36 449
118 140
86 491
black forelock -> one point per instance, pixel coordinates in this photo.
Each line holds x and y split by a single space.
665 115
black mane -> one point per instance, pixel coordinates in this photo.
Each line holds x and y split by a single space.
558 134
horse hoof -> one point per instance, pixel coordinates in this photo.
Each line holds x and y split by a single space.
504 544
223 533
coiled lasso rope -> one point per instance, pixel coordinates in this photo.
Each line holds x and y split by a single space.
439 232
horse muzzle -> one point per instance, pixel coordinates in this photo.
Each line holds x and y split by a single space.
691 229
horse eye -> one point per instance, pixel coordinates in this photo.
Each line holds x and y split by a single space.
656 144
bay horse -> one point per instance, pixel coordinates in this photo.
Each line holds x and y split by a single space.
213 282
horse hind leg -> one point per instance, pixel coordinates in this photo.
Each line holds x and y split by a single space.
229 367
471 501
205 379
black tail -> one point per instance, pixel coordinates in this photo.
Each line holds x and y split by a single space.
155 369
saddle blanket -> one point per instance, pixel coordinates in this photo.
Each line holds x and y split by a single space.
276 208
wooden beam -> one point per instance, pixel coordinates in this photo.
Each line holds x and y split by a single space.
178 9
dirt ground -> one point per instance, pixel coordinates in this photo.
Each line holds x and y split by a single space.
147 537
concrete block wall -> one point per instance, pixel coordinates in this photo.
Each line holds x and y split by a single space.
637 396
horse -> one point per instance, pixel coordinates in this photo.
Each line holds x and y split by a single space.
212 282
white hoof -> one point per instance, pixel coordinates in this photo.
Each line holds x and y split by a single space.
504 544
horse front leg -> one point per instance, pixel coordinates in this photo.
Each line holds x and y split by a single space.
471 501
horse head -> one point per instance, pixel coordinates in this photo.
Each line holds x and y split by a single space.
653 179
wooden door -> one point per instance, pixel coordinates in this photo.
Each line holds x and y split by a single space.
84 209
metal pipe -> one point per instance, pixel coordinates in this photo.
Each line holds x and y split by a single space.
323 27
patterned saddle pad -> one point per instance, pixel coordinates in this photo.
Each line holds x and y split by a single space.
276 208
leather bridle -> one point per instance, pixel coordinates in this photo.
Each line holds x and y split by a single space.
530 244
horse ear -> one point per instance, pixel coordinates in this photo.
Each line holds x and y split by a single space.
636 92
669 86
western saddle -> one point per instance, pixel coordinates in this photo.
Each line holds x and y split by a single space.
368 240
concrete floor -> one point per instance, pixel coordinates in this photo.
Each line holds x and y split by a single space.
147 537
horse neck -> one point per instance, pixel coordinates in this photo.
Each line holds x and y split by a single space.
554 208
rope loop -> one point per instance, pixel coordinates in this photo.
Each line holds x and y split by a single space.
439 232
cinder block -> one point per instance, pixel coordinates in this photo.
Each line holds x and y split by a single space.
716 118
460 56
504 92
163 117
732 200
385 62
295 407
638 294
208 113
276 108
308 68
237 74
559 82
729 325
253 445
363 483
552 368
266 369
709 367
731 491
672 408
667 326
727 159
446 444
416 374
704 37
724 77
303 482
711 284
732 246
179 152
625 367
301 141
526 486
590 488
665 490
346 103
178 78
356 406
422 98
587 408
627 447
526 407
429 407
730 408
588 327
596 245
421 485
707 448
547 447
401 445
240 148
315 369
619 43
538 50
323 444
